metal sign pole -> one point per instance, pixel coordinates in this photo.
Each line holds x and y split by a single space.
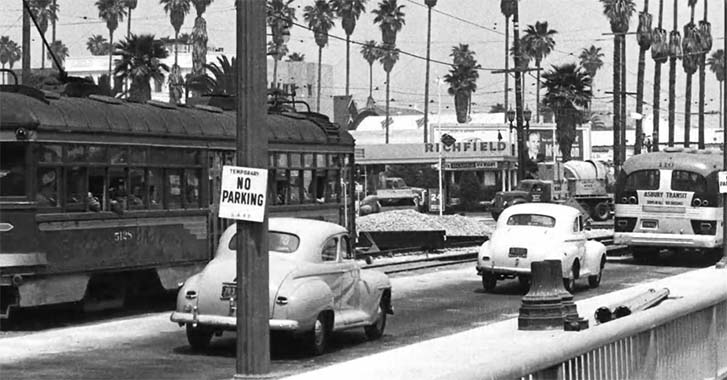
253 326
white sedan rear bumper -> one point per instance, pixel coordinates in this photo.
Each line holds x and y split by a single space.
228 323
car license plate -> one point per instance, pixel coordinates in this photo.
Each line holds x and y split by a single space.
518 252
228 290
649 224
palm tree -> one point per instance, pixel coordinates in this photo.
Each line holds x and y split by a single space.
619 14
349 11
538 42
199 38
140 62
296 57
177 10
691 47
430 4
8 48
130 5
716 64
568 92
643 36
279 16
97 44
111 11
705 33
219 78
45 12
277 52
390 18
507 7
660 54
320 20
60 51
675 52
522 65
462 79
389 56
371 53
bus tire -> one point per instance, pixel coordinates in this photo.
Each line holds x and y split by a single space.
601 212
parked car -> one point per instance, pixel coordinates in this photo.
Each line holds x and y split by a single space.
316 287
531 232
373 204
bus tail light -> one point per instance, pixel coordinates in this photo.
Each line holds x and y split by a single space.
696 202
624 224
627 197
704 227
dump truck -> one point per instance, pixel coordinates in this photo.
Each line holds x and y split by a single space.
583 184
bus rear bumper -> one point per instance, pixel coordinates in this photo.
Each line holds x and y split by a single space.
666 240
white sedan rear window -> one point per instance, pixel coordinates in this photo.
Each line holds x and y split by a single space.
277 241
531 220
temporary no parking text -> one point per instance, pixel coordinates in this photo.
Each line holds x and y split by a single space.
242 195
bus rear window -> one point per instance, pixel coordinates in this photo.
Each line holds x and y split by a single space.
682 180
12 169
642 180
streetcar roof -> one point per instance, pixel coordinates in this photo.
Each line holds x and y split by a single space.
698 161
53 114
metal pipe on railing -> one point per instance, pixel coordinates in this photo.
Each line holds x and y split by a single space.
639 302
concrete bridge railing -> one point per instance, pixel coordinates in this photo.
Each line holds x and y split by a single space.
684 337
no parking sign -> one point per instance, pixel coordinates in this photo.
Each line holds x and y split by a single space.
722 178
243 193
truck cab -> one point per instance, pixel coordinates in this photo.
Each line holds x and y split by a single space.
528 190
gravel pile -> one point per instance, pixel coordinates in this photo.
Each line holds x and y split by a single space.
410 220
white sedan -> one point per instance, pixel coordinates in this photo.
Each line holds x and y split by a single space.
531 232
316 287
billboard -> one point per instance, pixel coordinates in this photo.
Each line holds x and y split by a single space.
540 145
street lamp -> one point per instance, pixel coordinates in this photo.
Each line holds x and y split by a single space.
446 140
527 114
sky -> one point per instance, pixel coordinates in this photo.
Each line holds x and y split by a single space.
479 23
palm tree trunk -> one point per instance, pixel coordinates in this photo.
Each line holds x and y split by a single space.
111 54
320 59
616 102
721 105
702 78
42 54
53 25
640 100
687 110
507 64
426 76
371 80
275 71
386 121
176 52
518 94
348 61
622 102
672 94
657 100
537 94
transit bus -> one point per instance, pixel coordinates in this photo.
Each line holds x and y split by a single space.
102 199
669 199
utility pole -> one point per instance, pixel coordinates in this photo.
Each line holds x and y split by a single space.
430 4
518 93
723 262
26 44
253 326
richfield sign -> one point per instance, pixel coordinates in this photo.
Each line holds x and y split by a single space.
427 153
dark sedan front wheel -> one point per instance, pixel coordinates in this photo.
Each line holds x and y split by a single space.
199 337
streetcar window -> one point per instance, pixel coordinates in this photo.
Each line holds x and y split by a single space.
118 155
47 195
308 160
295 160
137 184
50 154
97 188
173 186
320 160
192 191
95 154
334 186
295 186
12 169
118 189
642 180
138 156
156 187
281 160
76 192
308 190
682 180
75 153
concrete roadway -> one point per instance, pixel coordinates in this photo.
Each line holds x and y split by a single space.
428 304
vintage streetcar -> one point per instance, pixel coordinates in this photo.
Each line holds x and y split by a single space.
103 199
